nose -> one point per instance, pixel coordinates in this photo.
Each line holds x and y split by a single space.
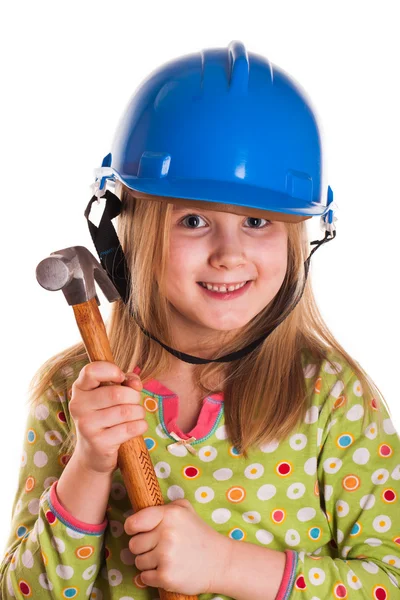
227 251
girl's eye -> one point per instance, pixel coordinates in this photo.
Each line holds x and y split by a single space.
194 219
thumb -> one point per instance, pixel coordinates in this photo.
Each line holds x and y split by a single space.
133 380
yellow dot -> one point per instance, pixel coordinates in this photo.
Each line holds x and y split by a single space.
354 578
316 575
251 517
332 465
372 429
382 523
253 471
207 453
203 494
391 561
380 476
340 508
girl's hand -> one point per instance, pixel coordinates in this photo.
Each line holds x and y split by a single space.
177 551
105 416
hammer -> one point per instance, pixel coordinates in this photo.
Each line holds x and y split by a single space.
74 271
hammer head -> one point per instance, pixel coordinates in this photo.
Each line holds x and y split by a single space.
74 271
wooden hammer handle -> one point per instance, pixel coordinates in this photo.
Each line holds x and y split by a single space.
133 457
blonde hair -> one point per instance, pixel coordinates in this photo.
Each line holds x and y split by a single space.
265 395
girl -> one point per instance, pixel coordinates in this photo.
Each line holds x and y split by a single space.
275 452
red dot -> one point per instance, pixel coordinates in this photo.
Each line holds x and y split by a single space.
278 515
24 588
389 495
385 450
61 416
191 471
341 591
284 468
300 582
50 517
380 594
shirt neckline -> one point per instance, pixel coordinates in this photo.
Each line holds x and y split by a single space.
209 416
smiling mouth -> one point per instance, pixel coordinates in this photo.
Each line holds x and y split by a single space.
223 287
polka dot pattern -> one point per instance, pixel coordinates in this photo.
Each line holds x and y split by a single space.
331 474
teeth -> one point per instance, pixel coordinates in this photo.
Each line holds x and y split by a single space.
223 288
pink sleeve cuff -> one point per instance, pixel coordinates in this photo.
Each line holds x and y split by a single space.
63 515
289 573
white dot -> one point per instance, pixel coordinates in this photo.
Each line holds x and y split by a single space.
306 514
388 427
374 542
44 581
355 413
342 508
114 577
251 516
41 412
264 537
53 437
309 371
316 576
40 458
64 571
266 491
298 441
380 476
58 544
270 447
332 465
332 367
27 559
396 473
175 492
353 580
311 415
254 471
223 474
126 556
370 567
207 454
328 491
391 559
221 433
310 466
89 572
337 389
162 469
371 431
361 456
367 501
382 523
296 490
357 388
204 494
292 537
221 515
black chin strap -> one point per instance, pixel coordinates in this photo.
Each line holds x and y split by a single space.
113 261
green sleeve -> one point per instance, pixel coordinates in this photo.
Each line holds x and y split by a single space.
359 480
48 554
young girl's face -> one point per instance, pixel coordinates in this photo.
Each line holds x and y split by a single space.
222 248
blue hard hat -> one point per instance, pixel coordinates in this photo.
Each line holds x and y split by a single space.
223 125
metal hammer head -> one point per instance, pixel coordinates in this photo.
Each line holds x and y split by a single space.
74 271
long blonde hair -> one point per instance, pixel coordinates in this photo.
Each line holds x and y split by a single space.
265 395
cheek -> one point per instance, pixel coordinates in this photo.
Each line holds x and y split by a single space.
181 268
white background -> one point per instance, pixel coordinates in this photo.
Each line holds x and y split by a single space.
68 71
